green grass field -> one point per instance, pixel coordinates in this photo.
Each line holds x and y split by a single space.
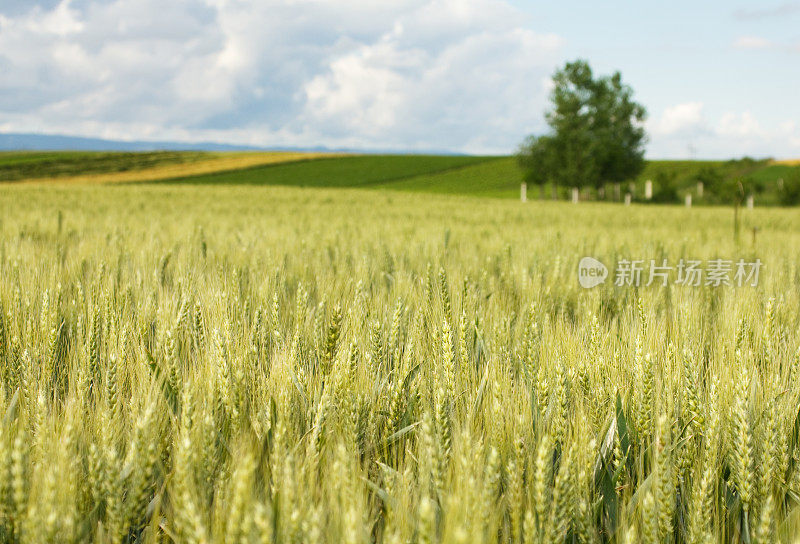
685 170
341 172
497 177
241 363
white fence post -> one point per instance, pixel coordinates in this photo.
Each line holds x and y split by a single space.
688 201
627 199
523 192
750 202
575 195
648 189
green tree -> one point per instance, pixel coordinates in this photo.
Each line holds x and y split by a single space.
720 188
789 194
666 187
534 155
716 187
596 131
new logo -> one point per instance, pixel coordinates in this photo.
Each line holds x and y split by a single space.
591 272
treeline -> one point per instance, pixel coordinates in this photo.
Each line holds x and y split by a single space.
707 182
594 149
728 183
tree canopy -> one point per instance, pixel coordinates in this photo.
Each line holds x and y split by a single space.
596 132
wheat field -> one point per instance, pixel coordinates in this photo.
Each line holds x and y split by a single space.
280 365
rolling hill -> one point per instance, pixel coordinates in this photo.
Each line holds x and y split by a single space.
485 176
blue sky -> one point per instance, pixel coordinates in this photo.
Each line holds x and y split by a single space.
718 79
720 76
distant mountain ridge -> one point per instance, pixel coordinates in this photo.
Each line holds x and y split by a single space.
12 141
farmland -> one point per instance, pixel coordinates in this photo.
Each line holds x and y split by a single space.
771 183
15 166
250 362
121 167
339 172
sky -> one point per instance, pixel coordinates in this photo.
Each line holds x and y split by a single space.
719 79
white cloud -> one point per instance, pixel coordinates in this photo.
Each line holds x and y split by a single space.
61 21
752 42
687 129
483 88
457 74
739 125
681 118
466 75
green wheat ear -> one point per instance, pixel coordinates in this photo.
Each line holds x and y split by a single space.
318 368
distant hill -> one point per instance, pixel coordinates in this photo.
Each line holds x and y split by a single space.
56 142
10 141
